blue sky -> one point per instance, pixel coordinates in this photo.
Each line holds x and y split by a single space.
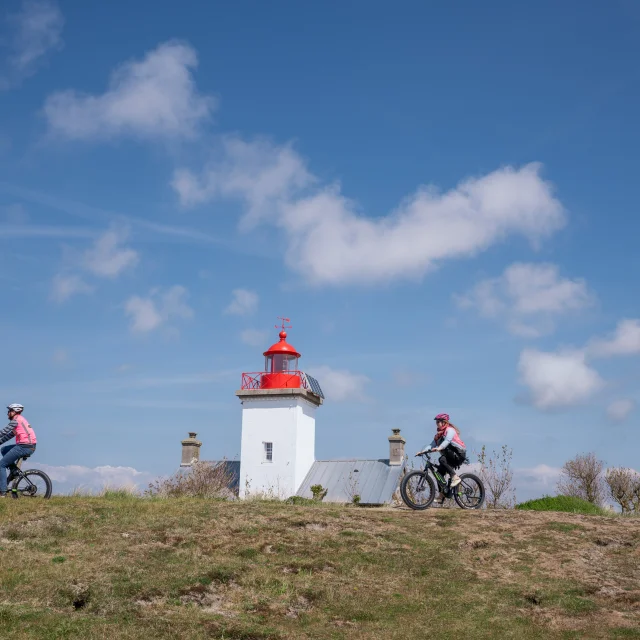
442 198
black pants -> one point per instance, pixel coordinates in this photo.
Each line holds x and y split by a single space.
450 460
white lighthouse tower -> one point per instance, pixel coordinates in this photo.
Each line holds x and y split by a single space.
278 423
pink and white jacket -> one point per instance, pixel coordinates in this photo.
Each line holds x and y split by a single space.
448 437
21 430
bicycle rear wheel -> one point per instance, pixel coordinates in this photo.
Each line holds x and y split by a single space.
469 494
32 484
417 490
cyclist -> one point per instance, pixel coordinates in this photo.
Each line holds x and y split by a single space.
25 444
454 452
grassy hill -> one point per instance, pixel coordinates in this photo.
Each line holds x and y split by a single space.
188 568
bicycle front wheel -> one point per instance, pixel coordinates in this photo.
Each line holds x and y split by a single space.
469 494
32 484
417 490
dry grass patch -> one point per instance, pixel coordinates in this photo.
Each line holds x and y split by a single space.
86 567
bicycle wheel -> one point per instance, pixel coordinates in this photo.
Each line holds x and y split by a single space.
32 484
469 494
417 490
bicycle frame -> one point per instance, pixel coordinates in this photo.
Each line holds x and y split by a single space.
443 485
19 474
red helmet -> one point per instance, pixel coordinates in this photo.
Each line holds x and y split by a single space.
442 416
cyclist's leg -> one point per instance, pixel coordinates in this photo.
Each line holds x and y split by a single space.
10 454
442 468
4 450
445 461
455 459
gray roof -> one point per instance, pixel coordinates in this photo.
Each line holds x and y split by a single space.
375 481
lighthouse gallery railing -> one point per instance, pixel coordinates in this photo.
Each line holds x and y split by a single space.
253 380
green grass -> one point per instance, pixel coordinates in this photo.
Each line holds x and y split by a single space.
125 567
566 504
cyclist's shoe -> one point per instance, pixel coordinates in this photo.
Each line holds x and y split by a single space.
439 498
455 481
3 495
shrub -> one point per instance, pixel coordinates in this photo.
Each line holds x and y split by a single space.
624 488
568 504
497 477
319 492
202 480
581 477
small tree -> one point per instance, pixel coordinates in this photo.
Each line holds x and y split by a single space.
581 477
624 488
497 476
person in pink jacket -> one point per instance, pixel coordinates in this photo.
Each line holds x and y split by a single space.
25 445
448 442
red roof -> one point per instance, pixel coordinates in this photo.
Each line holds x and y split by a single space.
282 347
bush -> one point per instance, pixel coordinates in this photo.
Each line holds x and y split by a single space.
497 477
624 488
568 504
203 480
581 477
319 492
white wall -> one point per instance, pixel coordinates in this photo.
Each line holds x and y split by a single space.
288 423
305 441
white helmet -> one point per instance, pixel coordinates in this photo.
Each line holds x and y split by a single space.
18 408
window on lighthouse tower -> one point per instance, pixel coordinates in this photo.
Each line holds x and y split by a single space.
268 451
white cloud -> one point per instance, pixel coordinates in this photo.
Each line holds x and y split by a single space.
152 98
527 296
619 410
624 341
37 31
264 175
331 242
564 378
254 337
69 477
558 379
66 285
542 477
340 385
144 314
244 302
160 307
107 258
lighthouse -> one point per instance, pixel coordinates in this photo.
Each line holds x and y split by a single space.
278 423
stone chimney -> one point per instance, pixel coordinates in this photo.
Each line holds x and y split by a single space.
190 450
396 448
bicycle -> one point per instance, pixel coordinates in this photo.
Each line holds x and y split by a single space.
31 483
415 484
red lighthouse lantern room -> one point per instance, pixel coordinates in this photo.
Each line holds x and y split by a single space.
281 363
281 369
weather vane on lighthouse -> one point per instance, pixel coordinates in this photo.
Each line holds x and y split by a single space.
282 325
